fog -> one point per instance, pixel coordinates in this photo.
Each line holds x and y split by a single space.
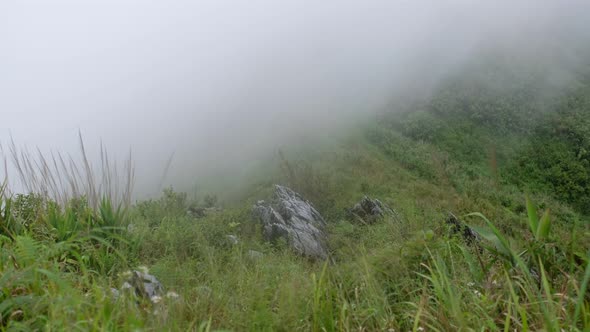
220 83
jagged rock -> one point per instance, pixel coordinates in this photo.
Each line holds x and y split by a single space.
369 210
288 216
144 285
469 235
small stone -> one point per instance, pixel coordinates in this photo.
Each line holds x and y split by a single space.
232 239
172 295
255 255
143 284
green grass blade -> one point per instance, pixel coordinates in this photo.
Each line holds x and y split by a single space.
583 290
547 304
544 226
532 215
496 236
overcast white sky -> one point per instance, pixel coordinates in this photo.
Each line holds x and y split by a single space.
219 78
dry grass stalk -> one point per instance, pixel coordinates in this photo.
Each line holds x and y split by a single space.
61 178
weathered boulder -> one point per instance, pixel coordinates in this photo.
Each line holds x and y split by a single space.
457 227
290 217
369 210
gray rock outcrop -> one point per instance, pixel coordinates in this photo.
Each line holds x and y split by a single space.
369 210
290 217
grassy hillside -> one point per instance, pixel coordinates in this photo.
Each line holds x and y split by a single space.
472 147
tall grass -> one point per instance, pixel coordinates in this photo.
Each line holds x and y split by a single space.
540 297
62 234
61 177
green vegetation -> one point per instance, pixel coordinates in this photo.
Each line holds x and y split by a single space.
471 149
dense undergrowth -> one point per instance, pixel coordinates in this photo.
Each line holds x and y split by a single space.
529 272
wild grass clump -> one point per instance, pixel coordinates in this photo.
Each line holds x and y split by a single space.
62 233
54 263
61 178
541 272
508 286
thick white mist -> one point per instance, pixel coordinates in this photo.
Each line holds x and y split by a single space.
220 82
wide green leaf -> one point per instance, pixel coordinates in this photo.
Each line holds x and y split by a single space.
495 236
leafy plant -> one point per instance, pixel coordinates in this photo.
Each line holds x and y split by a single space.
539 228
